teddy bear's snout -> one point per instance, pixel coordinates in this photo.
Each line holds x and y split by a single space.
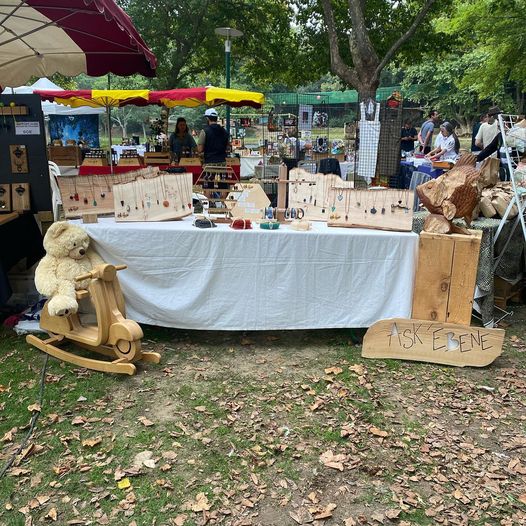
82 251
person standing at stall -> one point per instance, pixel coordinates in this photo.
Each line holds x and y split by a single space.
488 130
214 141
425 137
407 138
447 145
181 141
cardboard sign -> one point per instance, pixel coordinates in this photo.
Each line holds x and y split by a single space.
435 342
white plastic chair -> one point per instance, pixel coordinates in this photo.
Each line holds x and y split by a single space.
56 200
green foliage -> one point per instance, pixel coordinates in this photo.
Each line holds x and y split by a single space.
181 34
492 32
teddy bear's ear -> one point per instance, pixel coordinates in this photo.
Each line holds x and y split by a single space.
57 228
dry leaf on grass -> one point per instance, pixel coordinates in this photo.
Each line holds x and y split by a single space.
199 504
357 368
333 370
349 522
378 432
91 442
145 422
330 460
52 514
10 435
179 520
34 407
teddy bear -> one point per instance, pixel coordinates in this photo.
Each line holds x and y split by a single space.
68 255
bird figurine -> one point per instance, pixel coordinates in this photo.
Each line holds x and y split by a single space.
453 194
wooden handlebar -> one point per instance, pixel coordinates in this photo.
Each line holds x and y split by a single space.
96 272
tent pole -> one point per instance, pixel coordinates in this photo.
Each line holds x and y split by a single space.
108 115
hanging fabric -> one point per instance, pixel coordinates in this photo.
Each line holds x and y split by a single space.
369 137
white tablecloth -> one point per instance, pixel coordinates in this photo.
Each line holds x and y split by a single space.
248 162
224 279
118 149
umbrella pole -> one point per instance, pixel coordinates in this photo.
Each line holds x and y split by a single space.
108 115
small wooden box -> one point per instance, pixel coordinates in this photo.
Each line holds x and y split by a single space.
95 161
20 197
5 198
190 161
64 155
446 276
129 161
157 158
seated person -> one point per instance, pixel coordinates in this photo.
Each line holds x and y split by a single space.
181 141
447 145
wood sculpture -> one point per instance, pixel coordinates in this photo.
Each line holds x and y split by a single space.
113 335
453 194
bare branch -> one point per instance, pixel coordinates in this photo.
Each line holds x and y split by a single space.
405 37
338 66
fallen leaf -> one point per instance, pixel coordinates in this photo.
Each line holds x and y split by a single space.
522 498
91 442
17 472
357 368
378 517
34 407
200 504
10 435
377 432
52 514
330 460
149 463
119 474
200 408
392 514
325 513
313 497
124 483
179 520
78 420
145 422
349 522
333 370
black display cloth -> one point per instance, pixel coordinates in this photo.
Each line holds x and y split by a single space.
19 238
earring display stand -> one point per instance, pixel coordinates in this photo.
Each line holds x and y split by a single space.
162 198
381 209
217 182
250 202
312 192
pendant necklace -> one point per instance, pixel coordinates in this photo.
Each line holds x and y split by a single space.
91 183
357 198
383 201
373 208
340 193
347 203
166 203
188 187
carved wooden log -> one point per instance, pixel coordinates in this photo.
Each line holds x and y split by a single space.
437 224
466 159
487 209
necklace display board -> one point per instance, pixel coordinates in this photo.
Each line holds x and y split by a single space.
312 192
94 193
23 157
380 208
161 198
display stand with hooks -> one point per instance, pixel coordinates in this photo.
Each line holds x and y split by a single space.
218 182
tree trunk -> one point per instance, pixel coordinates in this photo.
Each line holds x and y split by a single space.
145 135
367 90
165 115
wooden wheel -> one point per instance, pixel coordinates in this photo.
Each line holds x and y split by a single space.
128 350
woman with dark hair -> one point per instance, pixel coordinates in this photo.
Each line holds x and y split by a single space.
181 140
447 144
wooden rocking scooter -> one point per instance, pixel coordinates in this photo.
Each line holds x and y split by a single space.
113 336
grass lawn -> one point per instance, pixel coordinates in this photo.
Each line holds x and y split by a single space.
271 429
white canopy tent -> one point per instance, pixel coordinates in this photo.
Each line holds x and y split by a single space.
52 108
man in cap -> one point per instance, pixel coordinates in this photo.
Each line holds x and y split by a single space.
214 141
488 130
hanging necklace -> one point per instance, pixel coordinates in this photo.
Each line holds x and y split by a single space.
373 208
384 200
166 203
347 203
188 182
91 183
